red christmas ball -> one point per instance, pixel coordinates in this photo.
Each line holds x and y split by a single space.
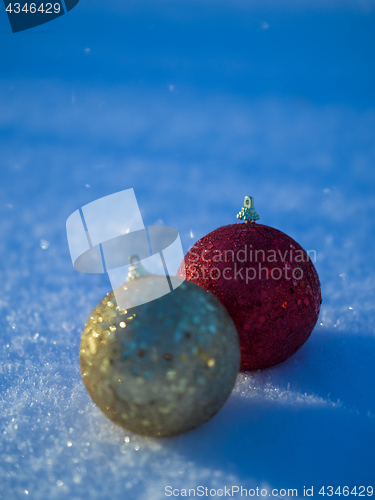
267 282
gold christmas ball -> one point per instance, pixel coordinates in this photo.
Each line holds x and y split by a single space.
163 367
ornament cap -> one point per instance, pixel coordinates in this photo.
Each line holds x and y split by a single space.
136 270
248 212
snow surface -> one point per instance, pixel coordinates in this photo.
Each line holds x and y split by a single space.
194 113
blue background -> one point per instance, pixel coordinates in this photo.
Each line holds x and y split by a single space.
194 105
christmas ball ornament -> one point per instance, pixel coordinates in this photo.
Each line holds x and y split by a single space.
163 367
266 281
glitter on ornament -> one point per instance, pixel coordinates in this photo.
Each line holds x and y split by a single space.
266 281
163 367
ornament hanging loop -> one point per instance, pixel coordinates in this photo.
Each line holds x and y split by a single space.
136 270
248 212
